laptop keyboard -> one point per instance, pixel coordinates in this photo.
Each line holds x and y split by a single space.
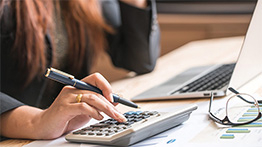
214 80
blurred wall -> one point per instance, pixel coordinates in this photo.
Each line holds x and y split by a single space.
179 29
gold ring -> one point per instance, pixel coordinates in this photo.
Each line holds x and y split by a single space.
78 98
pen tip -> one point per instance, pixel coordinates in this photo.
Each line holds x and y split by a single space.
138 107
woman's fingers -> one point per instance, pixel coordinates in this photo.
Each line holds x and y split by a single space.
100 82
103 106
106 101
85 109
90 102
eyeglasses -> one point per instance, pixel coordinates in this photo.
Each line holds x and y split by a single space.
235 105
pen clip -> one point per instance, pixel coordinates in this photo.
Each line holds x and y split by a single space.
60 72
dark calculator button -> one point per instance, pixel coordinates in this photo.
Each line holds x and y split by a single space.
111 126
145 116
145 113
130 113
138 112
110 123
135 116
87 128
130 119
129 123
103 129
99 134
117 127
118 123
77 132
96 129
108 134
132 116
153 113
100 125
103 121
110 130
114 122
129 116
91 133
119 130
106 130
83 133
138 119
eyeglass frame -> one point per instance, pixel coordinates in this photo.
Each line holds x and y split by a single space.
226 120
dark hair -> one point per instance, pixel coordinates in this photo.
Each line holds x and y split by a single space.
83 19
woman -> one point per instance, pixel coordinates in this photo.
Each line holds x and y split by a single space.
67 35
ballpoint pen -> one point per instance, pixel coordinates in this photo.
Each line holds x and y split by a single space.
68 79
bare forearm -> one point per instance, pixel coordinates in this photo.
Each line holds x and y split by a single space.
20 123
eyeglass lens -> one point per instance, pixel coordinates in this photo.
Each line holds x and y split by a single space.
237 106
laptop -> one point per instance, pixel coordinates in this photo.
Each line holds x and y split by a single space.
199 82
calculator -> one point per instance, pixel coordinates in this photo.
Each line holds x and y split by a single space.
139 126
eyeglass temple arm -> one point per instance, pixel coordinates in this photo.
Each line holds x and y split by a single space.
210 113
236 92
210 103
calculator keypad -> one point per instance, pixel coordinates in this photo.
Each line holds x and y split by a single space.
111 126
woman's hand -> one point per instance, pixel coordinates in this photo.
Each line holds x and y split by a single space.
68 115
65 114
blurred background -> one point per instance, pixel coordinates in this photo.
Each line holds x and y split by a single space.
182 21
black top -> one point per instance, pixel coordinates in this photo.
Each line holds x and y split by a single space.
135 47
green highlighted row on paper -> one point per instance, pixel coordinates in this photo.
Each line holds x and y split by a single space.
227 136
233 130
246 119
254 109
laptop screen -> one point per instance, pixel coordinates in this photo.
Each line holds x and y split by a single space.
249 61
